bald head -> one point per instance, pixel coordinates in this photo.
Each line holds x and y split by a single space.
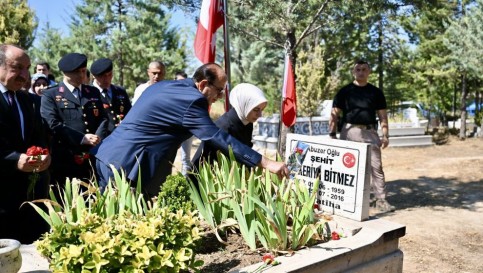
156 71
14 67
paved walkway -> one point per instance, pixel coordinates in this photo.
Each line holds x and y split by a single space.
32 262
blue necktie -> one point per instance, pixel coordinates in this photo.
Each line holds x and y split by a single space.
77 93
106 93
14 108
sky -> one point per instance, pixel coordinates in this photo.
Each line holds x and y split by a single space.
57 12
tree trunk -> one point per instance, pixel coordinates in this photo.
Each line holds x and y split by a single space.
121 59
455 91
464 94
380 54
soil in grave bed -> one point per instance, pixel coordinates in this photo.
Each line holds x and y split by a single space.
219 257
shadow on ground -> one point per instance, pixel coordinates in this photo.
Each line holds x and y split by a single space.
431 192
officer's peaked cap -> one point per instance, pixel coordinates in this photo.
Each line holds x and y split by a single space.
72 61
101 66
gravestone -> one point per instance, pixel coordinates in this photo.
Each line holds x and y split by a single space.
342 167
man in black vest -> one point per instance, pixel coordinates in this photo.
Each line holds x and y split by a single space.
75 115
359 102
114 98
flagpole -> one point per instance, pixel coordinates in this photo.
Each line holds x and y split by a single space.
281 127
227 55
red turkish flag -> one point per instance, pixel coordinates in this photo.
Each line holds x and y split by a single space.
211 18
289 104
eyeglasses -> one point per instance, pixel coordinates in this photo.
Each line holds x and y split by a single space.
218 89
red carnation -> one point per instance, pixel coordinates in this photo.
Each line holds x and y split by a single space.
35 153
78 159
335 236
268 258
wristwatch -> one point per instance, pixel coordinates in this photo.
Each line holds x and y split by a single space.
386 136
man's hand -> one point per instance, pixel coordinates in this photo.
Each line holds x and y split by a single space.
26 164
91 139
385 142
275 167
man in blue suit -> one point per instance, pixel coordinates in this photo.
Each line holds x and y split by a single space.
168 113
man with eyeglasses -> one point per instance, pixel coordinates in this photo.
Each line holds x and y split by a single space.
168 113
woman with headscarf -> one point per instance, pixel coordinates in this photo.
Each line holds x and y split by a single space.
40 82
248 102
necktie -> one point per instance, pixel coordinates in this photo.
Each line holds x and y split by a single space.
14 107
77 93
106 94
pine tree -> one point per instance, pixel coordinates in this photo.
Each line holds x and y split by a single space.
463 39
17 23
131 33
50 48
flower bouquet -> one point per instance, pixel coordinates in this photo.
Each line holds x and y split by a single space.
36 154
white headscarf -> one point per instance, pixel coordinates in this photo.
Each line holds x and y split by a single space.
244 97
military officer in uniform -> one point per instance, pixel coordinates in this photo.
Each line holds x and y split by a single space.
114 98
75 115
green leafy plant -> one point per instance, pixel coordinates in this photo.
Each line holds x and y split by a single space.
115 231
78 197
211 197
242 205
175 194
159 241
276 213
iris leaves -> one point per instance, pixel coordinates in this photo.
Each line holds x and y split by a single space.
270 212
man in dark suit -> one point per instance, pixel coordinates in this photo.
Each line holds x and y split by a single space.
75 115
168 113
114 98
19 130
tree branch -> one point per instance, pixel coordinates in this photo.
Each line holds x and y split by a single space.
309 29
256 36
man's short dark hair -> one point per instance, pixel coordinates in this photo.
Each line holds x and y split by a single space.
157 63
361 61
43 63
208 71
181 73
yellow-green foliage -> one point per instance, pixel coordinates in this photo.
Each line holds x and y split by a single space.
17 23
160 241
